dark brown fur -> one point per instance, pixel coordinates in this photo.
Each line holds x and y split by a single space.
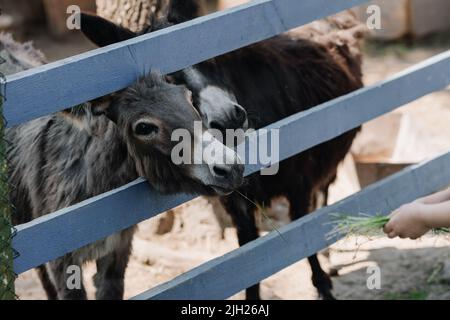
273 80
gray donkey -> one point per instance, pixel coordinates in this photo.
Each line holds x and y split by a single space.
64 158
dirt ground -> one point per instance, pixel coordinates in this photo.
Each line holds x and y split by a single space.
165 248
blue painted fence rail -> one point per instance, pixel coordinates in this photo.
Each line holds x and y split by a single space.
55 86
62 84
53 235
267 255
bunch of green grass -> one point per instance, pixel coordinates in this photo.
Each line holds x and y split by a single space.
365 225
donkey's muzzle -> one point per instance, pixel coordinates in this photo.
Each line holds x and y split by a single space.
227 177
237 119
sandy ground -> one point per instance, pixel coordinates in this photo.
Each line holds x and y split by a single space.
419 269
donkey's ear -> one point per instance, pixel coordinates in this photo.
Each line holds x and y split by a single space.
101 105
107 106
103 32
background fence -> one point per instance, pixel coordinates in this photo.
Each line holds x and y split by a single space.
65 83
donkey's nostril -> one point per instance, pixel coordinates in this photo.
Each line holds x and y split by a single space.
221 171
241 114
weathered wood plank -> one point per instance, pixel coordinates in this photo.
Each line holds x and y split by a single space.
71 81
55 234
224 276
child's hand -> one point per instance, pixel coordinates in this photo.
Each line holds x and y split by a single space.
407 222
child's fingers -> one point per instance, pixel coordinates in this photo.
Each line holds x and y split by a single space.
392 235
387 228
393 213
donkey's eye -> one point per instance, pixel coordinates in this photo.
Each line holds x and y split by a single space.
145 129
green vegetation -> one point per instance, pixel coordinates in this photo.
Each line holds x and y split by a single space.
414 294
7 275
364 225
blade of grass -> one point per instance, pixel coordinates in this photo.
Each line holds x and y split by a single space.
364 225
263 212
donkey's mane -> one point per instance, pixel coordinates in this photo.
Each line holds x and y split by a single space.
153 81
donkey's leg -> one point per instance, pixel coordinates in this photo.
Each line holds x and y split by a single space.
63 278
47 284
242 214
300 203
109 279
325 192
320 279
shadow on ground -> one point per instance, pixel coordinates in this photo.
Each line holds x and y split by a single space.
406 274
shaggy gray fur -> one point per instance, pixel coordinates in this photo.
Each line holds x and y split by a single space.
67 157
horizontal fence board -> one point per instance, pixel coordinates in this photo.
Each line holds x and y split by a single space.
52 87
53 235
96 218
306 129
227 275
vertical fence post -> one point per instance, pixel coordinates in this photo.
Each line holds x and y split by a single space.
7 275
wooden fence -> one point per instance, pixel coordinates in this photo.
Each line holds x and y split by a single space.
71 81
